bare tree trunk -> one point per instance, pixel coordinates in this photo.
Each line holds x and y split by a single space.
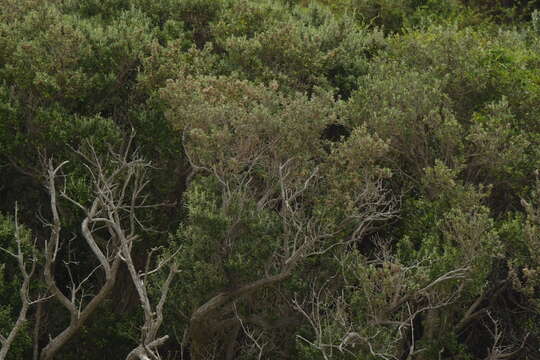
78 319
7 342
200 325
24 291
153 316
145 351
35 336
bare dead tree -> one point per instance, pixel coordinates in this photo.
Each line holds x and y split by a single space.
122 220
153 316
27 269
118 181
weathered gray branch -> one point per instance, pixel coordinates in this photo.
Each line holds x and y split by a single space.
117 194
24 291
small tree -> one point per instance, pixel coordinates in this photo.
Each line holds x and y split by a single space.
267 192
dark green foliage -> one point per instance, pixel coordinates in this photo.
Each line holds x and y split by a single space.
439 103
118 333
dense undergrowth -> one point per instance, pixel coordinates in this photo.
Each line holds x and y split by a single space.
346 179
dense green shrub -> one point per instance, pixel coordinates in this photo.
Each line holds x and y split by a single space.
269 124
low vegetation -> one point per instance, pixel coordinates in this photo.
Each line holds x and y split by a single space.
263 179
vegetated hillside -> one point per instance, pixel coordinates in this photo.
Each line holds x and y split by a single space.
261 179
